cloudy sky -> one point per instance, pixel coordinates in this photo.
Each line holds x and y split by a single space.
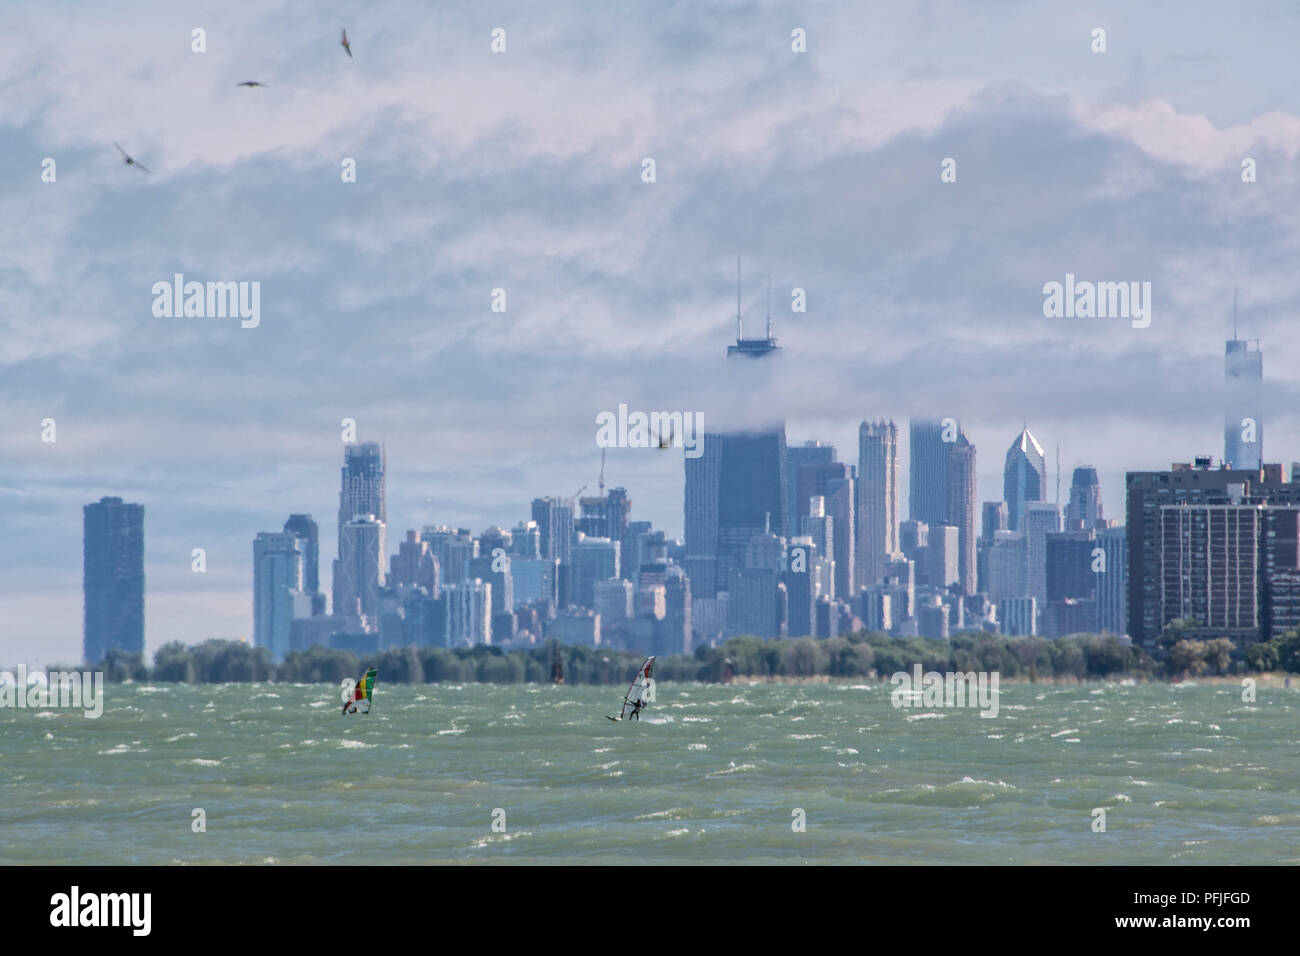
522 171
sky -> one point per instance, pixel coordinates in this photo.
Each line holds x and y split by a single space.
522 170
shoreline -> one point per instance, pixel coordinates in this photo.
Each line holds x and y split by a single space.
1266 679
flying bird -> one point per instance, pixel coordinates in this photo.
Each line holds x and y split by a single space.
130 161
669 442
250 83
347 47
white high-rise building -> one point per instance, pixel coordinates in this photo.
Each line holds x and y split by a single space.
469 613
1041 518
1007 566
359 570
877 509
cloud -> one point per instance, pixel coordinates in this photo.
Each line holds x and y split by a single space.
523 172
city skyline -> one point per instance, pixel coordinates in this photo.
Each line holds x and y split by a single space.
924 298
300 527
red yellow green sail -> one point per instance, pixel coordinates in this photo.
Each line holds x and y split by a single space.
365 689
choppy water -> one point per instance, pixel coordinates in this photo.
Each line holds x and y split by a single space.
1187 774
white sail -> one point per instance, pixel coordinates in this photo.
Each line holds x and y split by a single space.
642 689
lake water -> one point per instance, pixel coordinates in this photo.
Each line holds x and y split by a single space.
1187 774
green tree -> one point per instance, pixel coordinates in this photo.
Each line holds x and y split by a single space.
1288 651
174 663
400 665
1187 657
1262 656
119 665
319 665
1218 654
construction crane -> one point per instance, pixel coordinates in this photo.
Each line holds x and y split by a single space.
574 497
601 482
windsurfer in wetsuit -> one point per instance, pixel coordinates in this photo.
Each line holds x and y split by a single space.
636 709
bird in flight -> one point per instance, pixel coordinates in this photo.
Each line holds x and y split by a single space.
131 161
347 47
250 83
669 442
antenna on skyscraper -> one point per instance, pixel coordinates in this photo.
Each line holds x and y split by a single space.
1058 474
769 305
740 325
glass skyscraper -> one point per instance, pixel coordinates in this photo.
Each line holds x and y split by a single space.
1243 418
1024 478
113 578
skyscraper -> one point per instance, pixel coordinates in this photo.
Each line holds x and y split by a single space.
1112 576
811 452
701 515
751 493
309 544
960 483
750 348
468 609
1024 478
927 474
1083 513
1210 564
305 528
359 570
414 565
1041 519
1147 492
1007 567
594 559
113 578
362 485
1243 418
277 577
877 505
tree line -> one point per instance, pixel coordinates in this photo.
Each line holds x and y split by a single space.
864 655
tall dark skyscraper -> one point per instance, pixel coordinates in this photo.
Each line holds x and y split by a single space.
942 484
736 488
927 477
1243 414
751 493
113 578
1025 477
